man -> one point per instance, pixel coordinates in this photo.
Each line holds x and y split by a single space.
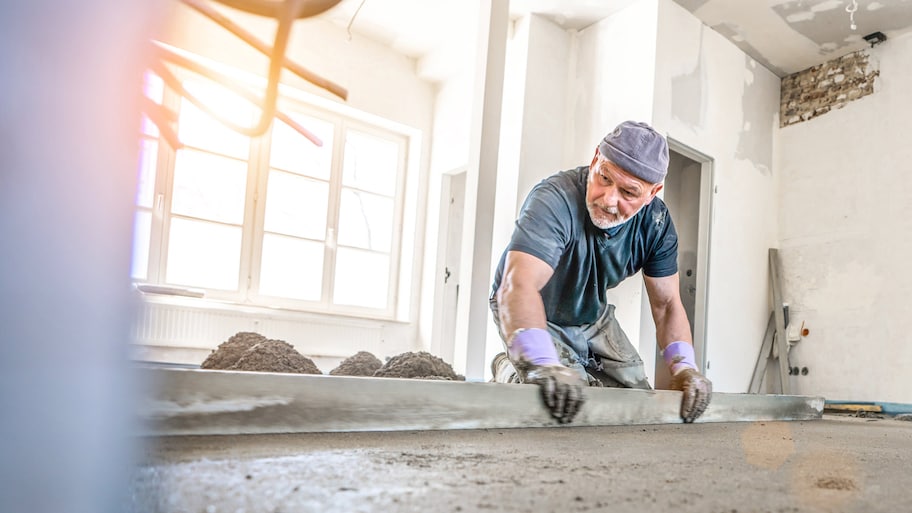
579 233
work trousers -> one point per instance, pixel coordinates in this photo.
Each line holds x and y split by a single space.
600 352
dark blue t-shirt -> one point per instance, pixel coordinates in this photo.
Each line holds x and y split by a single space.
554 225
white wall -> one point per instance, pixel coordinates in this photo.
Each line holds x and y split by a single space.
453 68
449 152
845 239
713 98
531 142
508 165
380 82
611 80
544 96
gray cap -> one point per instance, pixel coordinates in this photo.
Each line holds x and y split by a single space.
637 149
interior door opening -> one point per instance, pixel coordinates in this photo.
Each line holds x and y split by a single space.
688 194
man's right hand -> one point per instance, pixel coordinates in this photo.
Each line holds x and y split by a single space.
697 393
561 388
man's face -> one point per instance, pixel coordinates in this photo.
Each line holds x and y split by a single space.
613 195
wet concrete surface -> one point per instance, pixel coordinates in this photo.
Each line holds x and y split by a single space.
840 464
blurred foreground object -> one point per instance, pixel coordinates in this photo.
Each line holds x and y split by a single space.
70 97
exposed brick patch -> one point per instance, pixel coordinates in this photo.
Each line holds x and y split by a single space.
822 88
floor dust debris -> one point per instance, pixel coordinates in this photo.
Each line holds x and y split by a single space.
836 483
839 464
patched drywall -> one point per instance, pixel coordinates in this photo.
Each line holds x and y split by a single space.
755 139
831 85
814 20
787 36
688 97
845 193
611 77
736 128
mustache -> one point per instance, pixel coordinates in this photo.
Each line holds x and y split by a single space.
608 210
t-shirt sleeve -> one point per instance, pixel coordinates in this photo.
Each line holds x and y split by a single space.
543 227
663 256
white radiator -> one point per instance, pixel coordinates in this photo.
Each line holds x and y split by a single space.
185 331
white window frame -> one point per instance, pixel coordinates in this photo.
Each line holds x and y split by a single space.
344 118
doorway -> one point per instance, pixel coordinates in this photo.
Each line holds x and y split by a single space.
688 194
449 251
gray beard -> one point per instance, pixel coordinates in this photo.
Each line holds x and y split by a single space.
606 225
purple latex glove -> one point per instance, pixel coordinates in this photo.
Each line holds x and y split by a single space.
533 354
681 361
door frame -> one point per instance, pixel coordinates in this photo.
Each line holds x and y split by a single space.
452 190
701 301
704 246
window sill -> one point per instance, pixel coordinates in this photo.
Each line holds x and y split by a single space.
195 299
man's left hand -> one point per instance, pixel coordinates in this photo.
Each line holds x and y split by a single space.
697 393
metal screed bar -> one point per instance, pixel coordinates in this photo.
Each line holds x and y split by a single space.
205 402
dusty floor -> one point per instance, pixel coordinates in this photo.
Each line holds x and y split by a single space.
839 464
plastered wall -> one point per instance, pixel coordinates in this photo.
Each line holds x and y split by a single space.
845 238
713 98
611 80
531 142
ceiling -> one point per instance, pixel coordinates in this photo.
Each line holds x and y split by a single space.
785 36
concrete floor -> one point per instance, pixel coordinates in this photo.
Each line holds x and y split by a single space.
842 464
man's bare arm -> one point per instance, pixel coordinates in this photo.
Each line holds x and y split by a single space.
532 351
518 299
673 336
667 310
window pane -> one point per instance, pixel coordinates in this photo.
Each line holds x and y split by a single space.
365 220
209 187
142 231
296 205
202 254
148 127
370 163
291 151
148 158
362 278
198 129
291 268
153 87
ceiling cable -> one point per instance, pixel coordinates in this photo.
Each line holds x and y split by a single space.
851 10
352 22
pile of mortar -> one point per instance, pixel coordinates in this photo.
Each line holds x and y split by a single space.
248 351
